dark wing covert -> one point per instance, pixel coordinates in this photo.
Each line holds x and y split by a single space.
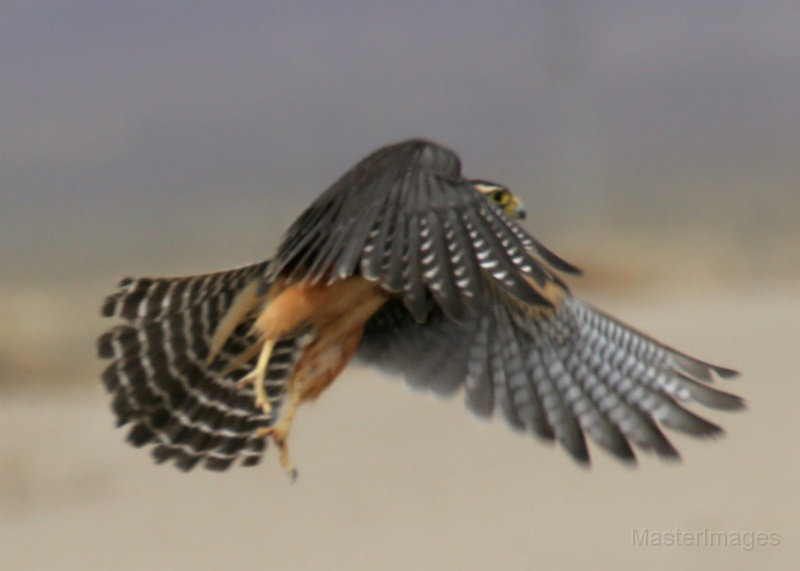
407 219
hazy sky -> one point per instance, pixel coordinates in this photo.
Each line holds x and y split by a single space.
116 109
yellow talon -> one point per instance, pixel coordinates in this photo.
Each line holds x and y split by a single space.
280 435
258 374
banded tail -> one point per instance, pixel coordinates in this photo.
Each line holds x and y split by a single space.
191 410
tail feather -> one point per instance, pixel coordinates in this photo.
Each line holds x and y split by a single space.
138 299
191 411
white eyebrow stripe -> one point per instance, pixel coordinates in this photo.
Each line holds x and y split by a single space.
485 187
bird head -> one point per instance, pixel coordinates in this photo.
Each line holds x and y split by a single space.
501 196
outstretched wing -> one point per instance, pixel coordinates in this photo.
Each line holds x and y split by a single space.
192 412
559 373
407 219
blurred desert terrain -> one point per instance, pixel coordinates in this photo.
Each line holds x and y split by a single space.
654 144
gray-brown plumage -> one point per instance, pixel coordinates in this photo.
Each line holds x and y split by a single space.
406 218
466 300
559 376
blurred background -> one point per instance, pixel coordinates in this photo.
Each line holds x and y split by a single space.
655 145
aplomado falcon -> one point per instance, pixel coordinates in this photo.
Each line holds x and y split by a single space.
406 265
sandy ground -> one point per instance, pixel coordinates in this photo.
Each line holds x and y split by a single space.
393 480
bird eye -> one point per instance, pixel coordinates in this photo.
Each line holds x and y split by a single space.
501 197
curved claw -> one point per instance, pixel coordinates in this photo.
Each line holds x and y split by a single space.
280 435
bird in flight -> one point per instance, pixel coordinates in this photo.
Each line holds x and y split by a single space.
406 265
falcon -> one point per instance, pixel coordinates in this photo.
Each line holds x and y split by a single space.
406 265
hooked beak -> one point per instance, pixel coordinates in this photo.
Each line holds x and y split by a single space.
515 209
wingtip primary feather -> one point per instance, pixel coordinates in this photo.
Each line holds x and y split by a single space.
710 396
724 373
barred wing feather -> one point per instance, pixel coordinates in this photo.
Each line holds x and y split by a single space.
558 374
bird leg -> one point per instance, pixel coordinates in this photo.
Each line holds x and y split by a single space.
280 434
257 376
285 312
